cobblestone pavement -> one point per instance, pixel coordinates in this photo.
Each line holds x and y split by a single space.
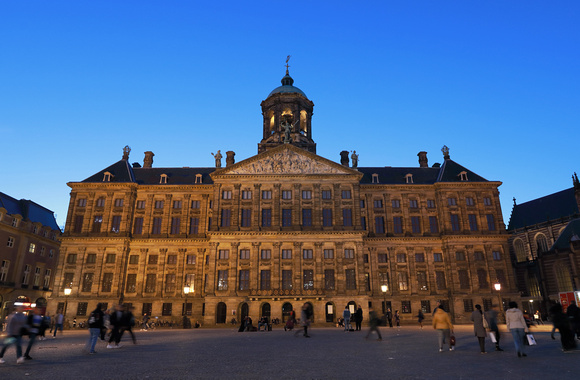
330 353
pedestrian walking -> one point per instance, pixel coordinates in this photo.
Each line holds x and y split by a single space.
346 317
34 323
562 324
144 326
420 318
442 323
305 316
374 322
58 323
116 320
358 318
573 313
491 317
129 321
96 324
390 317
514 319
479 328
46 322
397 320
15 327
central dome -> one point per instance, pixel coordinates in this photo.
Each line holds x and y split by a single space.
287 87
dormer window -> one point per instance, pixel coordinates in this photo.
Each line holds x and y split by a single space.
463 176
375 178
409 178
107 177
198 178
163 179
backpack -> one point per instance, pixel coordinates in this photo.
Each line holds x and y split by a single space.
93 318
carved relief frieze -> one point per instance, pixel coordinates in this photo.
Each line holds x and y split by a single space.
285 162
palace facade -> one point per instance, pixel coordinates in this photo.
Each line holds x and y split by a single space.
285 227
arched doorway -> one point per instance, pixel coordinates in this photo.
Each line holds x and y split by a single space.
286 310
351 306
221 312
330 311
266 310
244 311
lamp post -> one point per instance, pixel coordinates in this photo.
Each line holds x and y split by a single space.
497 287
532 310
186 290
67 291
384 289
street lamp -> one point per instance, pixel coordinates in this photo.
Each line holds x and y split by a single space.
67 291
497 287
384 289
532 310
186 290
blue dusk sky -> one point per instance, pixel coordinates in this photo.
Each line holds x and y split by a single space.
498 82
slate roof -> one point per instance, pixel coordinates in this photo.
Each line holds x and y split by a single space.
572 230
550 207
29 210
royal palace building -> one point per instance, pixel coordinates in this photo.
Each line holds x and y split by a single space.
285 227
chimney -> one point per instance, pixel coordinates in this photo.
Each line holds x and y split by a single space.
423 159
230 158
148 161
344 157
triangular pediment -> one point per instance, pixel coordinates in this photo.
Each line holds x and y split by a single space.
287 160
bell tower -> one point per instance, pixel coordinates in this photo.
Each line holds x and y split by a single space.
287 116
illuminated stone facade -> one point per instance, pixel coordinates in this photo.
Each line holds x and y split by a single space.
271 232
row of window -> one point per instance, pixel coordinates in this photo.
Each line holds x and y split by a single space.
35 228
438 257
119 202
32 247
147 309
37 276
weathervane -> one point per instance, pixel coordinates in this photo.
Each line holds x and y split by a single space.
287 66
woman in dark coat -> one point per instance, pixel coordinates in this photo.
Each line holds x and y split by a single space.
478 328
562 323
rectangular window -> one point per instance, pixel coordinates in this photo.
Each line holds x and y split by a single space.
140 204
82 308
87 282
158 205
430 203
403 281
422 280
487 304
362 203
307 254
469 201
78 225
306 194
147 308
266 194
350 276
329 253
110 258
308 279
413 203
10 242
398 225
406 307
172 259
496 255
176 204
459 256
246 194
454 222
68 279
395 203
500 275
382 258
32 248
82 202
222 280
419 257
153 259
286 217
472 222
416 224
349 253
244 279
107 282
150 283
286 194
401 258
307 217
223 254
379 225
138 226
440 280
438 257
156 229
71 258
166 309
378 203
131 283
119 202
490 222
91 258
47 274
468 305
482 279
195 204
170 282
327 217
487 201
426 306
363 222
346 194
190 259
266 254
36 281
452 201
463 278
116 224
266 217
286 254
97 223
329 279
227 194
175 225
286 279
246 217
194 226
134 259
433 225
226 219
478 256
244 254
347 217
326 194
265 279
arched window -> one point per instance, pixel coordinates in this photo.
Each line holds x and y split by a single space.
541 243
266 310
221 312
520 251
286 311
244 311
563 278
532 284
330 311
303 122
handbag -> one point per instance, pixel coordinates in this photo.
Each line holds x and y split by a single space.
492 337
531 340
452 340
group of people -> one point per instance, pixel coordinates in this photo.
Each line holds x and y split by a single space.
348 318
118 320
